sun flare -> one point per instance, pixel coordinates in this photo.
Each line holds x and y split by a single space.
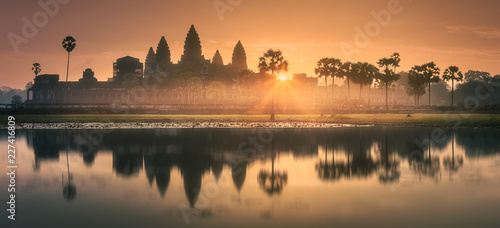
283 77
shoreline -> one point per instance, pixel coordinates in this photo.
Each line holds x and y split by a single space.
185 125
149 121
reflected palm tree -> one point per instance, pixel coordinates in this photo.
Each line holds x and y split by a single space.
272 182
391 168
432 166
416 164
451 163
69 190
330 171
426 166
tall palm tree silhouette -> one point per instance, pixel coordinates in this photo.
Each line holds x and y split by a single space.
275 62
453 74
329 67
36 68
69 43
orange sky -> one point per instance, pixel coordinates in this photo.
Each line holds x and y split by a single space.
465 33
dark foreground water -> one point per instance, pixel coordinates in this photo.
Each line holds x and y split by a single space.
342 177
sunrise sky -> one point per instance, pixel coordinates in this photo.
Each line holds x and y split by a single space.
465 33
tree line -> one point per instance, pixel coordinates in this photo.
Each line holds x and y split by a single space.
420 77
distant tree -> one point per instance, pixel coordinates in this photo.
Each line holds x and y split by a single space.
328 67
346 71
416 86
273 61
323 71
16 100
178 81
36 68
472 75
396 59
429 73
194 86
29 85
69 43
453 74
245 79
129 82
440 93
217 89
364 74
389 75
158 81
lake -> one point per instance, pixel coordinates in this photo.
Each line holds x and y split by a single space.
339 177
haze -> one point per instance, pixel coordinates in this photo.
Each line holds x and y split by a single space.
465 33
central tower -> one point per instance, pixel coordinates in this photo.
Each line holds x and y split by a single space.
192 57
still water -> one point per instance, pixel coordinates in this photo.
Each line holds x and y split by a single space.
342 177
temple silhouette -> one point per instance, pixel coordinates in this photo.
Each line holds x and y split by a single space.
130 72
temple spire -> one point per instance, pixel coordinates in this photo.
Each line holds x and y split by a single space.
150 64
192 56
239 57
217 59
163 54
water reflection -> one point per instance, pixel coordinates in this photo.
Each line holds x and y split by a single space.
189 159
69 190
272 182
348 153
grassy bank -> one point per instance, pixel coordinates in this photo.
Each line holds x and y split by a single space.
469 120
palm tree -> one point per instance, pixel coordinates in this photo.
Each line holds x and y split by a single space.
395 61
69 43
363 74
416 86
275 62
389 76
328 67
36 68
429 73
453 74
347 72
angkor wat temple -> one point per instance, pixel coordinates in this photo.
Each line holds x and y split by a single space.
129 73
